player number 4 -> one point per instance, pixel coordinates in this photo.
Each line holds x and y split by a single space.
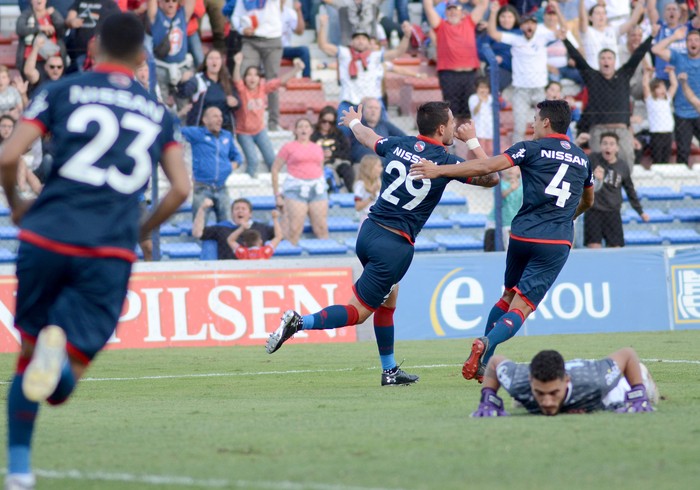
419 193
553 189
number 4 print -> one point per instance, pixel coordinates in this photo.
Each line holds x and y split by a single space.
561 193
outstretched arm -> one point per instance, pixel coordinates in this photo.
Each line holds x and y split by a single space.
491 28
400 50
366 136
467 134
474 168
635 16
662 49
298 68
688 92
278 229
431 14
322 37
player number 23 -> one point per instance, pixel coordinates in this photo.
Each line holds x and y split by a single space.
81 166
558 187
418 193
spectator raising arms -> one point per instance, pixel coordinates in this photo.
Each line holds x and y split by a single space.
83 20
52 69
304 190
39 21
659 105
250 120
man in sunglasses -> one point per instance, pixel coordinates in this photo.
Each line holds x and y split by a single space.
37 72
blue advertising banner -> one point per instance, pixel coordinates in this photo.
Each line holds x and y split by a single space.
624 290
684 267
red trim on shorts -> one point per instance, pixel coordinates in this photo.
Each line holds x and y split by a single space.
77 354
112 68
76 250
430 140
541 240
354 290
38 124
587 186
510 159
524 298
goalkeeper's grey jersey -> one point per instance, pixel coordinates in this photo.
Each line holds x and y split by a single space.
590 382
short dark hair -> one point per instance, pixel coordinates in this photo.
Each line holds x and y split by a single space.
552 82
244 201
8 117
482 81
250 238
558 112
692 32
122 35
609 134
431 116
607 50
547 365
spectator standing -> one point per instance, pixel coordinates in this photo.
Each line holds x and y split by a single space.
248 244
241 215
336 146
214 155
293 23
530 74
687 118
670 23
194 42
260 23
39 21
304 191
250 120
26 180
10 98
508 20
481 109
457 57
217 20
52 69
511 201
368 184
634 39
83 20
608 106
358 16
603 221
659 104
558 63
373 118
210 86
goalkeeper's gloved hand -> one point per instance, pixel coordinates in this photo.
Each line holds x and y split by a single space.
491 405
636 400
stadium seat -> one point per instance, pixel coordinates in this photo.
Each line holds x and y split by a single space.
417 91
286 249
437 221
8 232
181 250
468 220
6 256
691 191
459 242
209 250
642 237
685 214
325 246
680 236
452 199
262 203
425 245
350 242
186 228
170 230
661 193
4 211
185 208
342 200
655 216
341 223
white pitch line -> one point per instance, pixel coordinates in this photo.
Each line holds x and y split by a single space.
186 481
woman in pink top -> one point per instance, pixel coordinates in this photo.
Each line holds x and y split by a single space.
304 191
250 117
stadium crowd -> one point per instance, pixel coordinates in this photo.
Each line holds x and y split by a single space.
618 64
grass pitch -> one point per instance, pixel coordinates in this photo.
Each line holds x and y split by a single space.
315 417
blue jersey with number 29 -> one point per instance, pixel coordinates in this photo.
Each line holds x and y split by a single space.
405 204
107 132
554 173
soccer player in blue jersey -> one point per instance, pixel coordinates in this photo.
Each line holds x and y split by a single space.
548 385
385 241
77 239
557 188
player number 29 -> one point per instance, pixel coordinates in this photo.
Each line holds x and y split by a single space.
419 193
81 166
558 187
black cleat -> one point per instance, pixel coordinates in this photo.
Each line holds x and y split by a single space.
290 324
396 377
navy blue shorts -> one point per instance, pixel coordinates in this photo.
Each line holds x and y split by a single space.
385 257
84 296
532 268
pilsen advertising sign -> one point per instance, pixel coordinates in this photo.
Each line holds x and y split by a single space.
210 307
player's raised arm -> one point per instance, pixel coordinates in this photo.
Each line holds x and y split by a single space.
466 133
473 168
491 405
353 119
173 165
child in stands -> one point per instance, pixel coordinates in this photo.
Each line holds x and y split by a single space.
248 244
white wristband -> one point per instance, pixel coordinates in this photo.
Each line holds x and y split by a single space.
473 143
354 123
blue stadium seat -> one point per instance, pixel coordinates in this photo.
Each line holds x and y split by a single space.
351 242
4 211
425 245
452 199
139 252
181 250
170 230
8 232
342 200
437 221
685 214
185 208
186 227
209 250
325 246
286 249
459 242
680 236
691 191
642 237
7 256
655 216
262 203
660 193
341 223
469 220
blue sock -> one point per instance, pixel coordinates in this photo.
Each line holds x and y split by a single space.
384 331
505 328
21 414
334 316
65 386
498 310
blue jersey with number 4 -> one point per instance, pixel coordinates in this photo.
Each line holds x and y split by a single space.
554 173
108 132
405 204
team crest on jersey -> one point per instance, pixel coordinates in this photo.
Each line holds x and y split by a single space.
419 146
119 80
565 144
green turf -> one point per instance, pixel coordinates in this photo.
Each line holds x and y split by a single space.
335 428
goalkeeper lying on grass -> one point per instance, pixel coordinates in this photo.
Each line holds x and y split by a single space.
550 386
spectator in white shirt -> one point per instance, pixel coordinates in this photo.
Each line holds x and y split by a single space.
481 109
